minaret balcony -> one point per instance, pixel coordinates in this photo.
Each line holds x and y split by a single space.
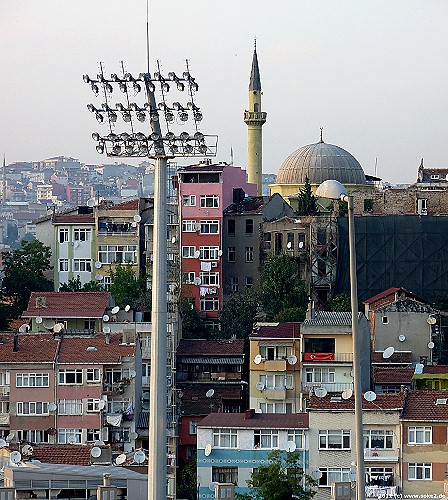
255 118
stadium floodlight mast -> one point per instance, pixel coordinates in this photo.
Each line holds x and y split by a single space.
167 139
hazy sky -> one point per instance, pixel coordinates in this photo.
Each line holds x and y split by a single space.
373 73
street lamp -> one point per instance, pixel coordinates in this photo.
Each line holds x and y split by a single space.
334 190
166 140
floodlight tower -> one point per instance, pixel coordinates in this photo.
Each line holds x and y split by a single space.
166 140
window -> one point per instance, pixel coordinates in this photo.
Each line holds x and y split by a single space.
32 380
189 226
209 305
266 438
208 253
118 405
290 241
209 201
275 407
63 265
249 282
189 200
435 176
249 226
32 436
63 235
420 435
231 254
93 405
275 352
82 234
194 427
277 382
70 377
334 440
93 375
368 205
115 375
70 407
385 320
318 374
93 435
106 283
231 227
419 471
267 241
188 278
225 438
82 265
333 475
209 226
377 438
32 408
209 279
4 407
234 284
188 252
69 436
117 254
249 252
296 436
225 475
301 239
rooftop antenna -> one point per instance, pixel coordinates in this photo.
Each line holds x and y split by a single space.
376 165
147 33
231 155
321 134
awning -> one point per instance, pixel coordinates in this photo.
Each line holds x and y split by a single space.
211 361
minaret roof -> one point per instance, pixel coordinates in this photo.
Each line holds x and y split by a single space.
255 81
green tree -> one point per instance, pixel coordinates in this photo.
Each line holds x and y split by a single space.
238 314
341 303
186 485
128 288
75 285
291 314
282 479
192 325
281 286
24 272
306 201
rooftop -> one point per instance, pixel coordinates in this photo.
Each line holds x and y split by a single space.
275 331
392 375
398 357
422 405
331 318
199 347
257 421
391 401
31 348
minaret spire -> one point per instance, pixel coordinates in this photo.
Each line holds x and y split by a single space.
255 119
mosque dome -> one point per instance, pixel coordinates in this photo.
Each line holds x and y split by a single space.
321 162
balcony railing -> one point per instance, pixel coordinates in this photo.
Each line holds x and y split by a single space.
328 386
381 491
324 357
381 454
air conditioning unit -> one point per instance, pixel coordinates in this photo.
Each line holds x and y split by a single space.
214 264
212 290
340 491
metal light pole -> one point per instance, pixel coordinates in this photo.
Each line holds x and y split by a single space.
159 146
334 190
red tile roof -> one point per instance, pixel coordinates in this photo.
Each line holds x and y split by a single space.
32 348
421 405
74 219
398 357
276 331
392 375
382 295
126 205
389 401
224 347
258 420
62 454
68 305
435 369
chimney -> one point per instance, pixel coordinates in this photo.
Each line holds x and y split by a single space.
249 414
106 479
107 338
310 312
16 342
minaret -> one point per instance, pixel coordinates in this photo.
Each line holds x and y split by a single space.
255 119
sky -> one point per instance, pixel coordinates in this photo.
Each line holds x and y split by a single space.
373 74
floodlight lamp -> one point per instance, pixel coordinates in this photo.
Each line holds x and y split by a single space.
129 149
162 106
126 116
183 116
188 148
100 148
199 136
123 87
154 136
144 148
112 137
124 136
139 136
172 76
120 106
112 116
109 88
203 148
99 117
186 75
144 77
95 88
116 150
114 77
177 106
151 87
197 116
159 151
128 77
141 116
137 88
91 108
184 136
170 136
86 78
165 87
169 116
154 116
96 136
173 148
133 106
180 86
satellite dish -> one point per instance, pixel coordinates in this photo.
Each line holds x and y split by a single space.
115 310
289 245
211 486
2 443
27 450
402 338
388 352
127 308
99 277
15 457
38 320
210 393
106 329
95 452
258 359
121 459
49 323
102 404
139 456
197 253
10 437
98 264
145 405
71 440
370 396
52 406
132 373
347 394
133 435
197 281
98 443
208 449
137 218
90 202
430 345
292 360
419 367
173 240
219 253
24 328
145 396
290 447
316 474
106 318
431 320
57 327
134 224
258 410
76 244
320 392
301 244
260 386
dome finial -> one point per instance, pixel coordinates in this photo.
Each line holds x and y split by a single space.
255 43
321 134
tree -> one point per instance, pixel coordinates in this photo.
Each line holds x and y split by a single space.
192 325
128 288
75 285
238 314
341 303
282 479
186 486
306 201
281 286
24 272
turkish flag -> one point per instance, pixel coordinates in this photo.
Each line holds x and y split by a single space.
318 356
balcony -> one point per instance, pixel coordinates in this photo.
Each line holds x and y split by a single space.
275 365
381 491
328 386
116 229
4 390
324 357
381 454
